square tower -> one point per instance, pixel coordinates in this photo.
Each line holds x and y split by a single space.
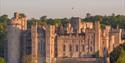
50 41
17 25
75 23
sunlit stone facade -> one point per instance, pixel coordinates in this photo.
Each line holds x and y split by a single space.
78 39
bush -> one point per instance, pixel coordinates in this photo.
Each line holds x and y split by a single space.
2 60
121 58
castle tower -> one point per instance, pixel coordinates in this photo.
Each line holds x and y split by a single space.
97 36
13 37
13 44
19 21
50 36
106 41
76 23
117 36
34 36
107 36
111 44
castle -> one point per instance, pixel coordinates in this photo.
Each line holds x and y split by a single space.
78 39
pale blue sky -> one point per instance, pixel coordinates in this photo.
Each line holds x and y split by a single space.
62 8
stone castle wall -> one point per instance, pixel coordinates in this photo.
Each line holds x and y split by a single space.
13 45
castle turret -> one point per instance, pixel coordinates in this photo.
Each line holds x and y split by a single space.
35 43
75 23
97 35
50 36
19 21
13 36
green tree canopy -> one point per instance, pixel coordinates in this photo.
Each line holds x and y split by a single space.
121 58
117 54
113 20
2 60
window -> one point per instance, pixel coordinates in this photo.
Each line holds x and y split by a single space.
70 47
91 49
76 47
92 42
83 48
64 47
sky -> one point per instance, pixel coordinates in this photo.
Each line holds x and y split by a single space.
62 8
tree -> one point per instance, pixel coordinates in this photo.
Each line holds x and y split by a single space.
117 54
4 20
50 21
114 55
3 26
31 22
43 18
57 22
2 41
121 58
2 60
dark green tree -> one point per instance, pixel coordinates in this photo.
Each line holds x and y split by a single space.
121 58
117 53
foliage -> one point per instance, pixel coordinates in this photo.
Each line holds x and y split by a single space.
2 60
121 58
43 21
96 54
31 22
2 40
43 18
4 20
117 53
114 21
3 25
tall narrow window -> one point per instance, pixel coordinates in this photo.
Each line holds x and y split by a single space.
91 49
70 47
77 48
64 47
83 48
